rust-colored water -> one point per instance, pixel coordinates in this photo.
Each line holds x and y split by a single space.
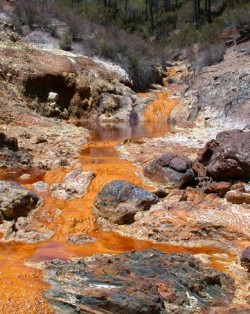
22 287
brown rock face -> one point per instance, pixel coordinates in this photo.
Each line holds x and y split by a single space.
245 258
15 200
228 156
170 170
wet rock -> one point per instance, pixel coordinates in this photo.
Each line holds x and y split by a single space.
15 200
238 197
170 170
79 239
25 230
138 282
220 188
120 200
75 184
40 186
228 156
245 258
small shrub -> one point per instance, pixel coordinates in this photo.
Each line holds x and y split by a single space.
66 43
208 55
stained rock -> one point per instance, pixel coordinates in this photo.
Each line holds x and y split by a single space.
170 170
75 184
245 258
16 200
228 156
238 197
220 188
120 200
137 282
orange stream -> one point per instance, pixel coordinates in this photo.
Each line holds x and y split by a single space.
22 286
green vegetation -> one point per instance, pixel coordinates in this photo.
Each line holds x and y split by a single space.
140 34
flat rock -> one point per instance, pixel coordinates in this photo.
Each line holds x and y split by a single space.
170 170
137 282
79 239
238 197
75 185
120 200
220 188
16 200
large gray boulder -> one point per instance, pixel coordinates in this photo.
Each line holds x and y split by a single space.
120 200
16 200
170 170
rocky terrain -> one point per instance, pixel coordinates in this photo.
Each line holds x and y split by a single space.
188 188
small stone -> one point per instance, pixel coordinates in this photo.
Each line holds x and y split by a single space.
53 97
40 186
79 239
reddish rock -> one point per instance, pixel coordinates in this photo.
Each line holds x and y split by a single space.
220 188
245 258
238 197
170 170
228 156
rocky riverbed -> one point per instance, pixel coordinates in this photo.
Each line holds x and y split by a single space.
64 195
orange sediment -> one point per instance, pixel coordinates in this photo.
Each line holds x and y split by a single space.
160 109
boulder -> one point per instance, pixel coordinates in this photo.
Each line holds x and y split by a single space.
16 200
245 258
148 282
228 156
170 170
120 200
75 185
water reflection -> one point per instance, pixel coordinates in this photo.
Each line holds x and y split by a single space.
132 129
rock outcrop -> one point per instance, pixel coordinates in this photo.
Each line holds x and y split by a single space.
228 156
15 200
220 93
170 170
138 282
120 200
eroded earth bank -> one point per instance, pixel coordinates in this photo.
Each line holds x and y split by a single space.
117 202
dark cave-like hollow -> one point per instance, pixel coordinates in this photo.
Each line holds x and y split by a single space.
40 87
